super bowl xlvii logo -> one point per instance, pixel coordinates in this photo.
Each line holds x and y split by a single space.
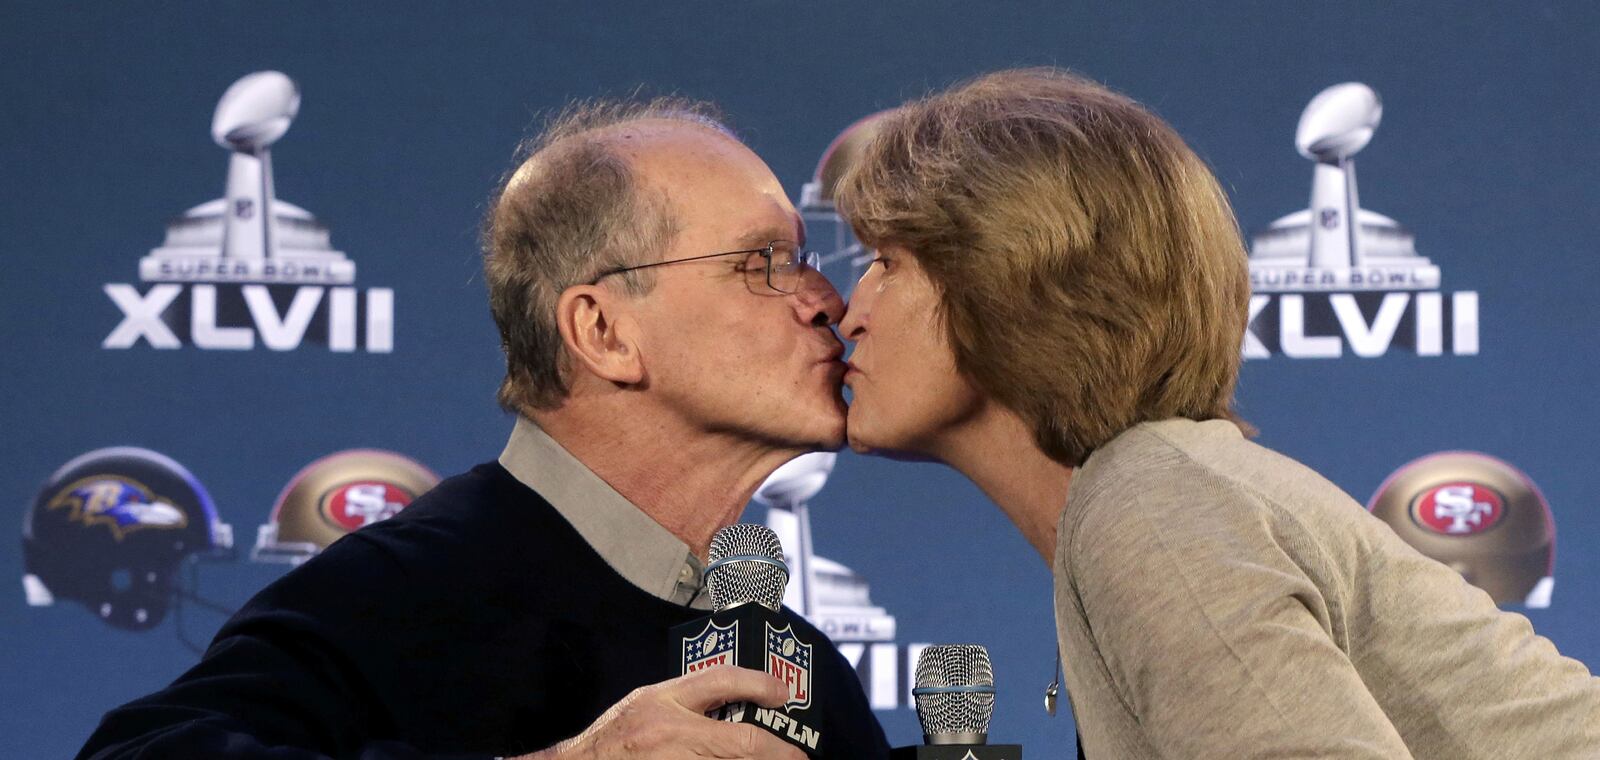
789 661
1336 274
716 645
249 265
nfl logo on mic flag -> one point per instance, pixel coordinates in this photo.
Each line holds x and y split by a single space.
716 645
789 661
754 637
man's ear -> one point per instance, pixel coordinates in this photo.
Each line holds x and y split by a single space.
598 333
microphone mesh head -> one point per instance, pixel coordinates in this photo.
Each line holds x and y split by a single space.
745 564
955 712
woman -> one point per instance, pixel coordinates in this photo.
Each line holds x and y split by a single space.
1056 311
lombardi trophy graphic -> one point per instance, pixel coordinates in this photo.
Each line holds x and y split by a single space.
252 115
249 235
1335 244
1337 124
830 595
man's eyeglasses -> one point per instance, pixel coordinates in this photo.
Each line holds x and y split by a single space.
780 265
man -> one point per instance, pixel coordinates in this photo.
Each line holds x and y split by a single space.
667 347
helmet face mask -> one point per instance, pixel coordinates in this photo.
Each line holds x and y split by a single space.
1479 515
335 495
109 529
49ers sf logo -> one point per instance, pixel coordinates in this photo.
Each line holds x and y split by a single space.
353 505
1458 509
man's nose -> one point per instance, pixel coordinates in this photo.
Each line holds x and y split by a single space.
817 302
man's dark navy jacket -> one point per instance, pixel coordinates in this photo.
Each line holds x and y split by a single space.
476 622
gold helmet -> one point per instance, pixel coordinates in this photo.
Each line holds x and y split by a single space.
1479 515
334 496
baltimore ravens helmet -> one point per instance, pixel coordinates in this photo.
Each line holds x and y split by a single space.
108 530
1479 515
334 496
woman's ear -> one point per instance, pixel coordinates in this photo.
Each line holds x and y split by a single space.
598 331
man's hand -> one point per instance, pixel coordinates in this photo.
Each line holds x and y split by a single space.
668 720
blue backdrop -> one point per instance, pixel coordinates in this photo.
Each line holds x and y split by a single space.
1486 153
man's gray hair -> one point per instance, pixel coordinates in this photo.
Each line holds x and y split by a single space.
570 209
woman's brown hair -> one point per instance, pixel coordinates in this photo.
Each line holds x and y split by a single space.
1090 272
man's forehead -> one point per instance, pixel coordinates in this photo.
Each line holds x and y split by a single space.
780 224
632 140
706 174
699 167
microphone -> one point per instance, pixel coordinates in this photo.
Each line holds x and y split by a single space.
745 565
748 627
954 693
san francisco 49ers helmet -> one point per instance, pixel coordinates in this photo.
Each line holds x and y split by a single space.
334 496
1479 515
108 530
825 229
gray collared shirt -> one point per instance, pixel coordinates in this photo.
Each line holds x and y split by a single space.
630 541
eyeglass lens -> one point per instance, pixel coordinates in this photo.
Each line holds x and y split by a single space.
782 262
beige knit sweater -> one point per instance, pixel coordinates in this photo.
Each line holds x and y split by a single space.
1215 599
